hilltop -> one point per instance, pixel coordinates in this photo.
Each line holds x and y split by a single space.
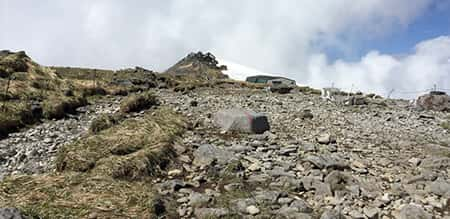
198 66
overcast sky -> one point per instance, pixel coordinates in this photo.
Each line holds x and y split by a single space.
372 45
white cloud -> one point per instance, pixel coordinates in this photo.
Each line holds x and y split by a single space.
240 72
285 37
426 66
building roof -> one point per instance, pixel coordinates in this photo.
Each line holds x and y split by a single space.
265 78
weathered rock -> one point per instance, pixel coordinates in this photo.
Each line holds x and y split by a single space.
331 214
371 213
242 121
204 213
171 185
338 180
435 163
174 172
306 114
242 204
207 154
292 213
438 101
327 161
322 189
281 89
267 197
356 214
301 206
252 210
10 213
356 100
199 200
440 188
413 212
326 139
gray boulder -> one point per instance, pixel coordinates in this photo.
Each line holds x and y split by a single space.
198 199
211 212
356 101
10 213
327 161
435 163
439 187
331 214
242 121
207 154
438 101
413 212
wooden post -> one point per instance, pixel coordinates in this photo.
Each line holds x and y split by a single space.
95 79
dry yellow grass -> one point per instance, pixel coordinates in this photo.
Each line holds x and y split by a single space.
138 102
77 195
133 149
107 175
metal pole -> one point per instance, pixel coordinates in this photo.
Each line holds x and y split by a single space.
390 93
95 79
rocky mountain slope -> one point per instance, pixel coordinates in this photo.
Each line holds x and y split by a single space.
363 158
198 66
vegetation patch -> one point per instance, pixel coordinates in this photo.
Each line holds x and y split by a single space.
105 175
93 91
30 92
138 102
134 149
77 195
15 115
57 107
103 122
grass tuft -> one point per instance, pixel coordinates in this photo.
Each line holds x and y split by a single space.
77 195
133 149
103 122
138 102
58 107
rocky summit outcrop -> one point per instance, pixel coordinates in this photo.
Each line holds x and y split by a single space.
201 66
435 100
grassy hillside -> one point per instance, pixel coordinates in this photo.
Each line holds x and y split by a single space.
30 92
